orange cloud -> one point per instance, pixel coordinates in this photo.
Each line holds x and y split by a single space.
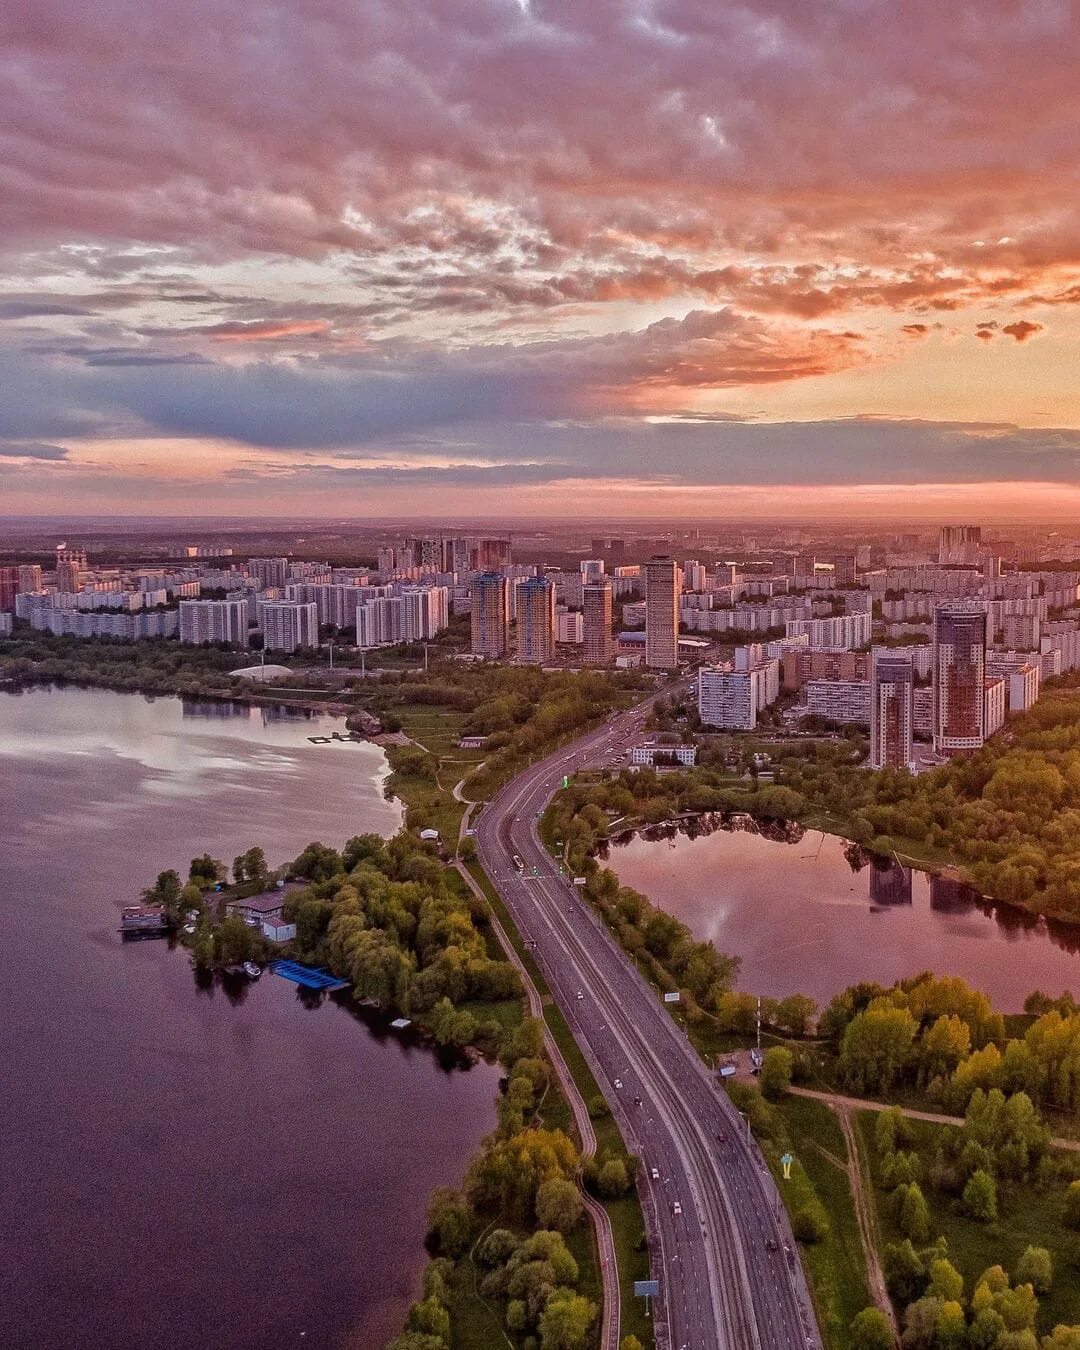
266 330
1022 329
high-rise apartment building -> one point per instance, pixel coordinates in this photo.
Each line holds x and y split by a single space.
536 620
959 677
591 568
9 589
289 624
70 565
29 577
490 615
844 569
213 621
959 544
892 711
380 621
427 612
269 572
662 586
488 555
598 639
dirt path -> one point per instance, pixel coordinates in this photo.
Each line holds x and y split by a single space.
838 1100
864 1214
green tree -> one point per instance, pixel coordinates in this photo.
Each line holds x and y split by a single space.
871 1330
450 1221
206 871
565 1321
980 1196
795 1014
632 1343
914 1216
776 1068
1071 1214
613 1179
558 1204
946 1282
876 1047
430 1318
1036 1268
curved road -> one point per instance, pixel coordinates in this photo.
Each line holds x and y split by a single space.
720 1244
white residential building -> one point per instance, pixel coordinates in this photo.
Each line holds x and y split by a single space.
288 625
213 621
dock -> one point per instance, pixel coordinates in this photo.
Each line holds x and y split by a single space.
311 977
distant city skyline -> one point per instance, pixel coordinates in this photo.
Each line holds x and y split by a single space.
502 259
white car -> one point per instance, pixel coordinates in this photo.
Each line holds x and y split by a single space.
579 994
676 1208
618 1084
654 1172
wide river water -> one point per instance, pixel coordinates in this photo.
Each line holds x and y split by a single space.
808 914
179 1167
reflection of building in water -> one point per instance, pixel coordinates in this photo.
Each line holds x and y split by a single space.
890 884
278 712
951 896
193 707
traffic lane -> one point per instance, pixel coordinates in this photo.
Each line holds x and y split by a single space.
766 1307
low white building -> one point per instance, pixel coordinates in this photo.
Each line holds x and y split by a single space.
647 754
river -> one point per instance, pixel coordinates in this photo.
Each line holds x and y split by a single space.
181 1167
809 914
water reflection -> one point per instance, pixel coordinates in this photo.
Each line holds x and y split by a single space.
808 911
196 1161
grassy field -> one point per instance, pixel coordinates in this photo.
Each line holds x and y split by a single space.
1030 1215
432 805
835 1267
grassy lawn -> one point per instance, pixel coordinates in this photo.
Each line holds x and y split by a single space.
835 1267
1030 1216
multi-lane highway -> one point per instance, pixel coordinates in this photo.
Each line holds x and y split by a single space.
721 1247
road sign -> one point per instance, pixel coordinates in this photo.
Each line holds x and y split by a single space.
565 781
785 1163
579 881
672 997
646 1288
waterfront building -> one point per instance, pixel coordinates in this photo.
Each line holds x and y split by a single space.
288 625
662 587
490 615
892 711
959 677
597 622
536 620
213 621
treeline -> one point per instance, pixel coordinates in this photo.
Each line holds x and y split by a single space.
151 665
943 1039
1008 814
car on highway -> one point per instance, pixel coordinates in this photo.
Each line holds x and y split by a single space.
618 1084
579 994
654 1172
676 1208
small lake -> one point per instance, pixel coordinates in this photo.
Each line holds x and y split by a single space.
185 1167
812 914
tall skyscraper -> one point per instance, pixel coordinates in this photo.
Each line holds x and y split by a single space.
490 615
590 568
29 577
662 587
536 620
892 711
599 641
959 677
844 569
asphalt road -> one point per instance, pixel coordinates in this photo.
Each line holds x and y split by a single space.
720 1244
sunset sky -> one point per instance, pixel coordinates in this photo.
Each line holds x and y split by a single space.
649 257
